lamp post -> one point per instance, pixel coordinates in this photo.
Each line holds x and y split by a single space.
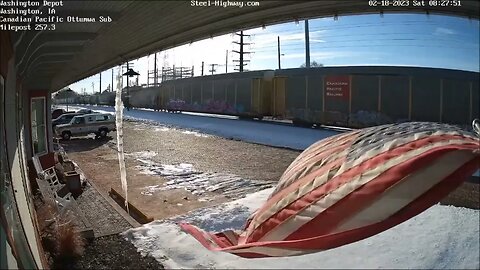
129 73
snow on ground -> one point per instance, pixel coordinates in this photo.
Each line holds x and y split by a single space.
443 237
142 155
184 176
261 132
228 127
162 129
195 133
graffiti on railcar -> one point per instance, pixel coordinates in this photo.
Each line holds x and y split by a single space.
210 106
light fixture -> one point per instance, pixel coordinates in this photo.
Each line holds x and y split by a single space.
130 73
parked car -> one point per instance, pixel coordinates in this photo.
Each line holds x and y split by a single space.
57 112
63 119
99 123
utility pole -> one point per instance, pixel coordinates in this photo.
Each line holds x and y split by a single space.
155 72
278 51
165 64
226 62
307 45
202 67
112 81
212 69
100 87
241 52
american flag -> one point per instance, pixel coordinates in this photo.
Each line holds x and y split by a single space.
351 186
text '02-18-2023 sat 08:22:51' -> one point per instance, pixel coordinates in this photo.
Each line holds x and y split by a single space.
415 3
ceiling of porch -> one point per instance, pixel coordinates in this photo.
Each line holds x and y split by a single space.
73 51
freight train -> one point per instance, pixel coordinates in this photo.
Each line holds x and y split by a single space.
352 97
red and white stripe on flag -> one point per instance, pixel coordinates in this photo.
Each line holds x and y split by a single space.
351 186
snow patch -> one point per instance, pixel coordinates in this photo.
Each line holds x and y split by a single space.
184 176
139 127
162 129
444 237
142 154
195 133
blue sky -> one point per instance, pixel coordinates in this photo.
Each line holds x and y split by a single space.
394 39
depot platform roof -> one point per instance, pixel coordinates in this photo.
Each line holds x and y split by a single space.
52 59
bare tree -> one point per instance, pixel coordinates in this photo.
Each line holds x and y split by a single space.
313 64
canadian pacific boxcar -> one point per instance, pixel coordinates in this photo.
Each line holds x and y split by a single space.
358 96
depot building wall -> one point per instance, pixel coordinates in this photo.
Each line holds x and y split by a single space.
17 219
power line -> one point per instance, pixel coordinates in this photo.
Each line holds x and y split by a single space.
379 45
314 43
356 25
426 37
320 44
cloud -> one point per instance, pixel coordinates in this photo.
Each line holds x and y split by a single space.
443 31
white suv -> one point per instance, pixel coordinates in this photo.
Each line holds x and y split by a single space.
81 125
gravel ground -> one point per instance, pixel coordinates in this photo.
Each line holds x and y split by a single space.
113 252
255 161
467 195
208 154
